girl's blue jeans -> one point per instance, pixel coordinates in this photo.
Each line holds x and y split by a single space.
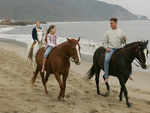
48 50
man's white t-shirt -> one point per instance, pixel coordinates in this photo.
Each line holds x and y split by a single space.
113 38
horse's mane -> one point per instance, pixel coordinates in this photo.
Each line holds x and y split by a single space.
65 42
130 44
138 42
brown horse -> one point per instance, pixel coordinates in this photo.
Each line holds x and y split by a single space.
120 64
58 63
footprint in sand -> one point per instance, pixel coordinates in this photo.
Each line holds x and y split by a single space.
114 91
104 106
86 91
68 96
148 102
94 111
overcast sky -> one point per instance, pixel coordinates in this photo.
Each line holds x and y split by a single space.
141 7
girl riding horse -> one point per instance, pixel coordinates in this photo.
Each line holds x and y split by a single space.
58 63
51 39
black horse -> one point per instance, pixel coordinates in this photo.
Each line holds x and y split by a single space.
120 64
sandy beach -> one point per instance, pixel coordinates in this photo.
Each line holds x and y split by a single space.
18 96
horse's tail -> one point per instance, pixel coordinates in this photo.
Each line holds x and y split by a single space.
34 76
95 67
91 72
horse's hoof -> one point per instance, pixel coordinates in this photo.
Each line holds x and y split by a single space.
63 99
120 99
32 84
46 92
98 93
129 105
107 92
59 98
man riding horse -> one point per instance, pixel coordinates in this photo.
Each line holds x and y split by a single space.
116 61
35 38
112 41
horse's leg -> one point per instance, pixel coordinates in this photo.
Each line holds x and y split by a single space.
97 80
120 95
47 76
43 81
33 65
57 76
121 90
122 83
107 85
34 76
64 82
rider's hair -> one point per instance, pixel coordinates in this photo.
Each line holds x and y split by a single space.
114 19
48 31
37 21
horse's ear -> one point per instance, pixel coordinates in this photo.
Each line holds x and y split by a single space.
69 40
140 43
78 39
147 42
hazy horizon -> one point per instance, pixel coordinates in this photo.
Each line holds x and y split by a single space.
140 7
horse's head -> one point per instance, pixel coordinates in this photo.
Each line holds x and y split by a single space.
40 35
74 50
142 54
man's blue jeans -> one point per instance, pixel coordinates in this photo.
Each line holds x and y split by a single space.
106 62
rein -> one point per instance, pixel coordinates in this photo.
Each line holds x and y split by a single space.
133 61
135 58
64 54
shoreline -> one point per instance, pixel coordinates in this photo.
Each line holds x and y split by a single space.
20 23
85 57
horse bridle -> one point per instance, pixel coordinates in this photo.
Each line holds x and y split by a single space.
140 64
42 38
64 54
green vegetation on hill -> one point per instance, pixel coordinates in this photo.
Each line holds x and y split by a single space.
62 10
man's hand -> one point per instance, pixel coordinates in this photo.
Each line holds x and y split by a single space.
124 38
36 41
108 50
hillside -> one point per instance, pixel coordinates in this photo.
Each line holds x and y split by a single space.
62 10
142 17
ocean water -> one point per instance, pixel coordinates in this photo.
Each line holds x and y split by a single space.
91 33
